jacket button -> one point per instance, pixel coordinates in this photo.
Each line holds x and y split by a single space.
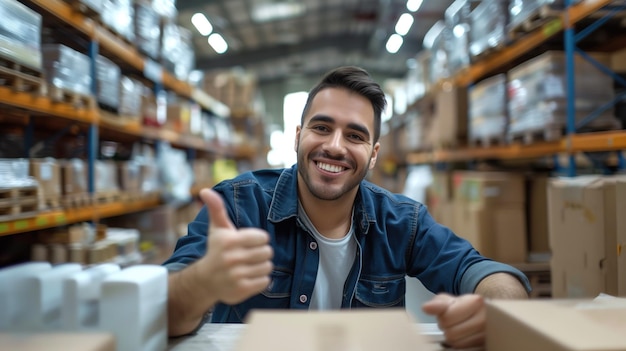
313 245
303 298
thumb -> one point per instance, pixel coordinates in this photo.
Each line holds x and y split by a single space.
438 305
217 212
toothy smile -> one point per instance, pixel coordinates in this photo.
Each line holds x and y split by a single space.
330 168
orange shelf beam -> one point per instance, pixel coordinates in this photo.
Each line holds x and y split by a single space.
44 105
63 11
598 141
57 218
586 142
529 42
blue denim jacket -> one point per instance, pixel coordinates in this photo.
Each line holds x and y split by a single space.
396 237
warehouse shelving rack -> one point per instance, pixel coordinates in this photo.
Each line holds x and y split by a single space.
64 114
572 142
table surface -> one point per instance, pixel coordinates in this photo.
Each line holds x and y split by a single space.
223 337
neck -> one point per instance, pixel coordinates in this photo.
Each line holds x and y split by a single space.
332 218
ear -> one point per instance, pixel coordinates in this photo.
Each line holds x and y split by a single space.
374 155
295 146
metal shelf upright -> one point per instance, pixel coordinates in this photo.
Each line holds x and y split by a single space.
571 48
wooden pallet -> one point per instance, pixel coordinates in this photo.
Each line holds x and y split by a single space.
534 20
76 200
107 197
20 77
77 100
16 209
548 133
18 193
50 203
486 141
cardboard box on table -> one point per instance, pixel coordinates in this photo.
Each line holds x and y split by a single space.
363 330
557 325
489 211
583 235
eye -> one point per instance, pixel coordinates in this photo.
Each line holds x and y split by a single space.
320 128
356 137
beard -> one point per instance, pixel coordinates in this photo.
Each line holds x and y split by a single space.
329 190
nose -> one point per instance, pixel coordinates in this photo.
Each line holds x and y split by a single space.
335 143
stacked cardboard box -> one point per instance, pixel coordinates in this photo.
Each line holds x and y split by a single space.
490 212
584 236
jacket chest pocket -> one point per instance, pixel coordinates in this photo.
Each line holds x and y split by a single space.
380 292
275 296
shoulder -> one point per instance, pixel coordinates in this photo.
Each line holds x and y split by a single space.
378 195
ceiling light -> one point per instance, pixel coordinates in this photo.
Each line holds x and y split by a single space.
202 24
270 11
218 43
404 23
394 43
413 5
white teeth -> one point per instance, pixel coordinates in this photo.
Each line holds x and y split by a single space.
330 168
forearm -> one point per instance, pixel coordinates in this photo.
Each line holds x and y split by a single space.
501 286
187 301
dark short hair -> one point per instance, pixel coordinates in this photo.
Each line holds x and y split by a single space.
354 79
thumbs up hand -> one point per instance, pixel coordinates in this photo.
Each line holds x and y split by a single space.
238 262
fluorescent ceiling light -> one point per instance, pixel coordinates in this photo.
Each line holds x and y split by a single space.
218 43
202 24
394 43
276 10
413 5
404 23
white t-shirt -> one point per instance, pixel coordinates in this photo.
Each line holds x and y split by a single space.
336 260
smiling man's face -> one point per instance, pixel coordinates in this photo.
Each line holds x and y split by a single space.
335 144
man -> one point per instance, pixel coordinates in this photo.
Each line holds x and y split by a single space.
318 236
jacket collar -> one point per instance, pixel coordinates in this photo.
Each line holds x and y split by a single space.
285 200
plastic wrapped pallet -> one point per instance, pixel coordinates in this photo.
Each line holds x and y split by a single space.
165 8
119 16
523 10
488 109
20 34
538 94
131 91
458 22
108 76
488 23
95 5
67 69
435 41
177 50
147 29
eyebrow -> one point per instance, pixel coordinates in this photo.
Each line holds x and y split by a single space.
358 127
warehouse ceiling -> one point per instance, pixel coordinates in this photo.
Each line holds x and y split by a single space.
317 36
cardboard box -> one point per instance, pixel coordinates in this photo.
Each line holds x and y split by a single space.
621 237
389 329
48 174
490 212
58 342
496 231
74 176
489 187
449 126
538 214
555 325
583 236
129 176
